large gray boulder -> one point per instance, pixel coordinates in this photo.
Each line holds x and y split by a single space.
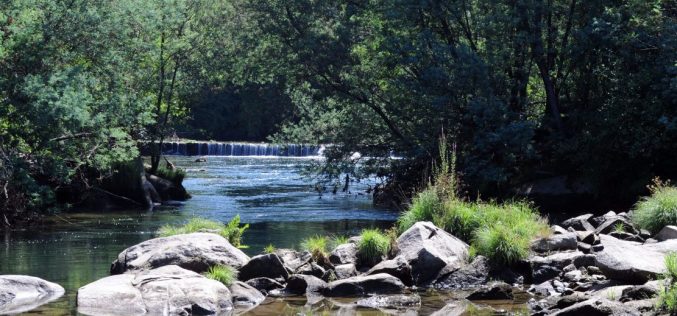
245 295
428 249
381 283
559 242
168 290
668 232
631 261
293 259
305 284
21 293
196 252
345 271
579 223
344 254
472 275
397 267
263 266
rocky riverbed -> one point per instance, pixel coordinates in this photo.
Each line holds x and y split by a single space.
589 266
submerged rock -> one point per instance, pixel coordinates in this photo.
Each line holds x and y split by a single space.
381 283
398 301
428 249
266 266
196 252
165 290
21 293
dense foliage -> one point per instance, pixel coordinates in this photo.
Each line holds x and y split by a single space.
657 210
523 89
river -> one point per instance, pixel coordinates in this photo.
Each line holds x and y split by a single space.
269 193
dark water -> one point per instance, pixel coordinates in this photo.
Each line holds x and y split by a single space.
270 194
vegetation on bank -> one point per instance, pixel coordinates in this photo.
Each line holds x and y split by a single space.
657 210
667 294
224 274
372 247
232 230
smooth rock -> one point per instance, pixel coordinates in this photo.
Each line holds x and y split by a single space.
560 242
196 252
381 283
305 284
165 290
397 267
344 254
293 259
264 285
311 268
428 249
472 275
345 271
492 291
668 232
579 223
629 261
245 295
263 266
21 293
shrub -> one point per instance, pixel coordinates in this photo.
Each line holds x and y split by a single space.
231 231
175 175
459 218
337 240
317 246
224 274
373 246
501 244
423 208
658 210
667 295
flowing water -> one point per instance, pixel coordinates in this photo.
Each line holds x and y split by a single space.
270 193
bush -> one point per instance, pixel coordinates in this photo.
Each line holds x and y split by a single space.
175 175
317 246
338 240
667 295
658 210
231 231
373 246
423 208
224 274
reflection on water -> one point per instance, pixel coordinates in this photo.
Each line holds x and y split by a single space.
269 193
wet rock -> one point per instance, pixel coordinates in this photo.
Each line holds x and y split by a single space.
305 284
615 262
492 291
397 301
263 266
344 254
579 223
555 243
345 271
165 290
668 232
196 252
639 292
397 267
264 285
21 293
245 295
381 283
597 306
472 275
428 249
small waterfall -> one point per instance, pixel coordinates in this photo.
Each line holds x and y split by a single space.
240 149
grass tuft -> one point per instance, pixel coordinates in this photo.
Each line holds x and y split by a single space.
231 231
224 274
423 207
176 175
373 246
317 246
657 210
667 295
336 240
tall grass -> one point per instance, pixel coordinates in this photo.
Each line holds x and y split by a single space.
667 295
231 231
175 175
224 274
372 247
317 246
424 206
657 210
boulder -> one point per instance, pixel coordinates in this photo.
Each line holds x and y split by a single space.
264 285
629 261
597 306
626 236
428 249
305 284
492 291
472 275
611 224
293 259
345 271
639 292
381 283
165 290
397 267
559 242
668 232
21 293
596 221
579 223
344 254
196 252
263 266
397 301
245 295
167 189
588 237
571 299
311 268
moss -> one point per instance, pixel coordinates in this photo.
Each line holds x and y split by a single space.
224 274
373 246
658 210
231 231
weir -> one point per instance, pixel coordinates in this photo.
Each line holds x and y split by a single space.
240 149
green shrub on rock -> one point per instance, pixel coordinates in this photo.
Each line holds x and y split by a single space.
373 246
657 210
667 295
231 231
224 274
317 246
423 208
